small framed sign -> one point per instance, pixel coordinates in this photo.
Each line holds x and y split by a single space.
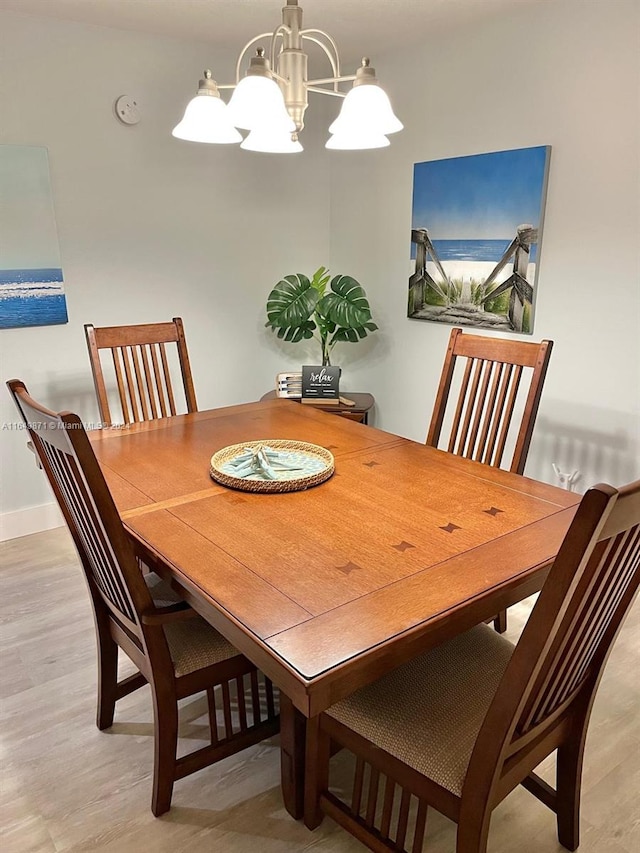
320 385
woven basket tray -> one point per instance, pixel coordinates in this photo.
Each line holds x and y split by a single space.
318 460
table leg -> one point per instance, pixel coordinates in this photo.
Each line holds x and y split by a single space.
293 727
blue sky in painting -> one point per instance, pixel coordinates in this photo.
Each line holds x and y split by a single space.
484 196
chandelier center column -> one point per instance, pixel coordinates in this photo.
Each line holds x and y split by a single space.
292 65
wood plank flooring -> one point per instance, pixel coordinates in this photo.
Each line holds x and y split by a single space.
65 786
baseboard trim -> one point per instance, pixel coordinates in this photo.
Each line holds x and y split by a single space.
31 519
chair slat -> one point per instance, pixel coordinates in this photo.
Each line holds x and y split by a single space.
242 707
588 624
475 447
507 415
140 384
485 451
99 547
148 384
496 417
579 668
372 799
387 806
92 537
213 716
116 354
403 818
167 378
226 710
255 697
271 709
460 407
129 384
358 784
464 446
155 381
420 827
553 684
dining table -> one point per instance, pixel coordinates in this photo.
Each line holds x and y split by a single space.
327 589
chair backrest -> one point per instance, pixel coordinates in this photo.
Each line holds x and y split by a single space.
556 667
489 386
104 548
141 368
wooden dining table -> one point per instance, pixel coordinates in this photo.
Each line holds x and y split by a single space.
327 589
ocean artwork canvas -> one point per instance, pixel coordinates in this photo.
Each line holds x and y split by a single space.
31 281
476 230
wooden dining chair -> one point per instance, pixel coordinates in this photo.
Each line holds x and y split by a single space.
463 725
482 416
141 369
483 413
176 652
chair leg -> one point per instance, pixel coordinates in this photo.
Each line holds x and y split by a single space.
500 622
473 829
316 772
568 786
165 713
107 678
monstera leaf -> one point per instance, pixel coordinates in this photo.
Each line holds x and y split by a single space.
290 306
348 307
298 307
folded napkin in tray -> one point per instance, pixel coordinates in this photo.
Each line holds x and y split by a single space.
263 461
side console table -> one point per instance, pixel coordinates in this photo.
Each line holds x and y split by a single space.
359 412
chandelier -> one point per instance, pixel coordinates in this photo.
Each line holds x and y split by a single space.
271 99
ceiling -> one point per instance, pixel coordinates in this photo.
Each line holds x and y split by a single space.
359 26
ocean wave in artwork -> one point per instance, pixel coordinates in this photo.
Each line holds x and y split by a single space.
31 282
32 297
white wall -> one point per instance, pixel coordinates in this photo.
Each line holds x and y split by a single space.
565 74
149 227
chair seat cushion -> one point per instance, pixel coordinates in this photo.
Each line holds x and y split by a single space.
428 712
193 643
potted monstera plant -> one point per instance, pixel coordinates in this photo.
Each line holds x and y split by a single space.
299 308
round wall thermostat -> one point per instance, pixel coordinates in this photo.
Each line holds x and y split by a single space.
127 109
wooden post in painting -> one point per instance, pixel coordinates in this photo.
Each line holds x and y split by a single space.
417 280
521 295
516 311
420 280
521 292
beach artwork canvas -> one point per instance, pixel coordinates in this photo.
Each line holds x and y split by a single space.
475 239
31 283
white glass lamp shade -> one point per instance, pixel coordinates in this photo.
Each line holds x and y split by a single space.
346 141
206 119
258 102
366 110
271 142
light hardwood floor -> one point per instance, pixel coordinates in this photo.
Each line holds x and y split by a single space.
66 786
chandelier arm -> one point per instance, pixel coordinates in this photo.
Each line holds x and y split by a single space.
279 32
246 48
324 80
333 60
278 77
336 54
334 93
